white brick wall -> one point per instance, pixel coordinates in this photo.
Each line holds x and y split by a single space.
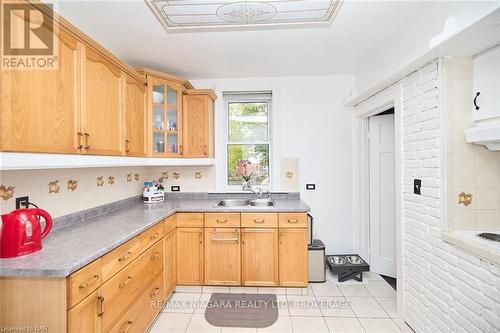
446 288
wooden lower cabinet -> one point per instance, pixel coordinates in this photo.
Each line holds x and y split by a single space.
190 259
222 256
86 315
143 311
169 266
293 257
259 257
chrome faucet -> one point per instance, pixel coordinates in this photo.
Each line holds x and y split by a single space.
258 192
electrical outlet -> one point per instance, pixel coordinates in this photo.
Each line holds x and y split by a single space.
22 201
310 187
417 185
175 188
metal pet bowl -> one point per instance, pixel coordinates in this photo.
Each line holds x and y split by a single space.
490 236
354 260
336 260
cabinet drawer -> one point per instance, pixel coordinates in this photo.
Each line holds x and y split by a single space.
124 288
222 220
169 224
259 220
156 257
151 236
292 220
192 220
83 282
140 315
120 257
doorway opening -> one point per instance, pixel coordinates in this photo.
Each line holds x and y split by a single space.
382 196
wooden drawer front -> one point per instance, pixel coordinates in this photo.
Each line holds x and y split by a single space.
144 310
169 224
194 220
293 220
156 257
120 257
259 220
83 282
222 220
151 236
124 288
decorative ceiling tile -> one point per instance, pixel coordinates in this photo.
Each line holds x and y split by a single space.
179 14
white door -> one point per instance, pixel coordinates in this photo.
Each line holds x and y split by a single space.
382 196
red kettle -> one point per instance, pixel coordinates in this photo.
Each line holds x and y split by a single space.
21 232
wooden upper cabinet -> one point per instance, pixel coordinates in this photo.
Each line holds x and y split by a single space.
101 105
135 117
198 123
40 111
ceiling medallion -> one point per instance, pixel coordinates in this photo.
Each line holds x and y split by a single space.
246 12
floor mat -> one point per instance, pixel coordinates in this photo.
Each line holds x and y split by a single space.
242 310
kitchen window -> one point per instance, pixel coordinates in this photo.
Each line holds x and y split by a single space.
248 143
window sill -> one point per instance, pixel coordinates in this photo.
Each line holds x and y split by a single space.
469 241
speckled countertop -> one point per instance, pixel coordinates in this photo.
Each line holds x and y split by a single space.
68 249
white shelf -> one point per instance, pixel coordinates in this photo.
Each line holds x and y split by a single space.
31 161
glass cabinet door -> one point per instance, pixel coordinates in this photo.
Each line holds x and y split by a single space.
173 133
165 119
159 118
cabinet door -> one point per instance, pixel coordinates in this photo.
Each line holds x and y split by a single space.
189 245
86 315
259 257
222 256
486 85
40 112
196 124
101 100
170 268
293 257
165 117
135 116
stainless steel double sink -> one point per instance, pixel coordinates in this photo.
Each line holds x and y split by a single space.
246 203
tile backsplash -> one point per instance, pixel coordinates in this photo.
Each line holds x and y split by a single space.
471 169
66 191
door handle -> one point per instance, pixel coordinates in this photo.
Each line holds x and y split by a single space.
127 146
86 284
80 134
101 305
127 326
475 100
87 140
124 284
205 150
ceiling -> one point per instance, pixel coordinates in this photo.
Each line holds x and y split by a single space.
181 14
130 30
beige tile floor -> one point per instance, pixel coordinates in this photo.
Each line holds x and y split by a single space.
368 306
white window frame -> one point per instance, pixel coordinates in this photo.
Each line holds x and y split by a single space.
248 97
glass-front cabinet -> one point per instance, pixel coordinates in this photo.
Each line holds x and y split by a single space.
166 118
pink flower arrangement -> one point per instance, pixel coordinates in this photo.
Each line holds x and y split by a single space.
244 168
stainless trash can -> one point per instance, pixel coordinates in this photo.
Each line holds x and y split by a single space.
316 253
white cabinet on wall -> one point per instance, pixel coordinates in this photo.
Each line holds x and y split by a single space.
486 103
486 83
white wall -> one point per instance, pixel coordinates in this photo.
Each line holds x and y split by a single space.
430 29
446 289
311 124
35 184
